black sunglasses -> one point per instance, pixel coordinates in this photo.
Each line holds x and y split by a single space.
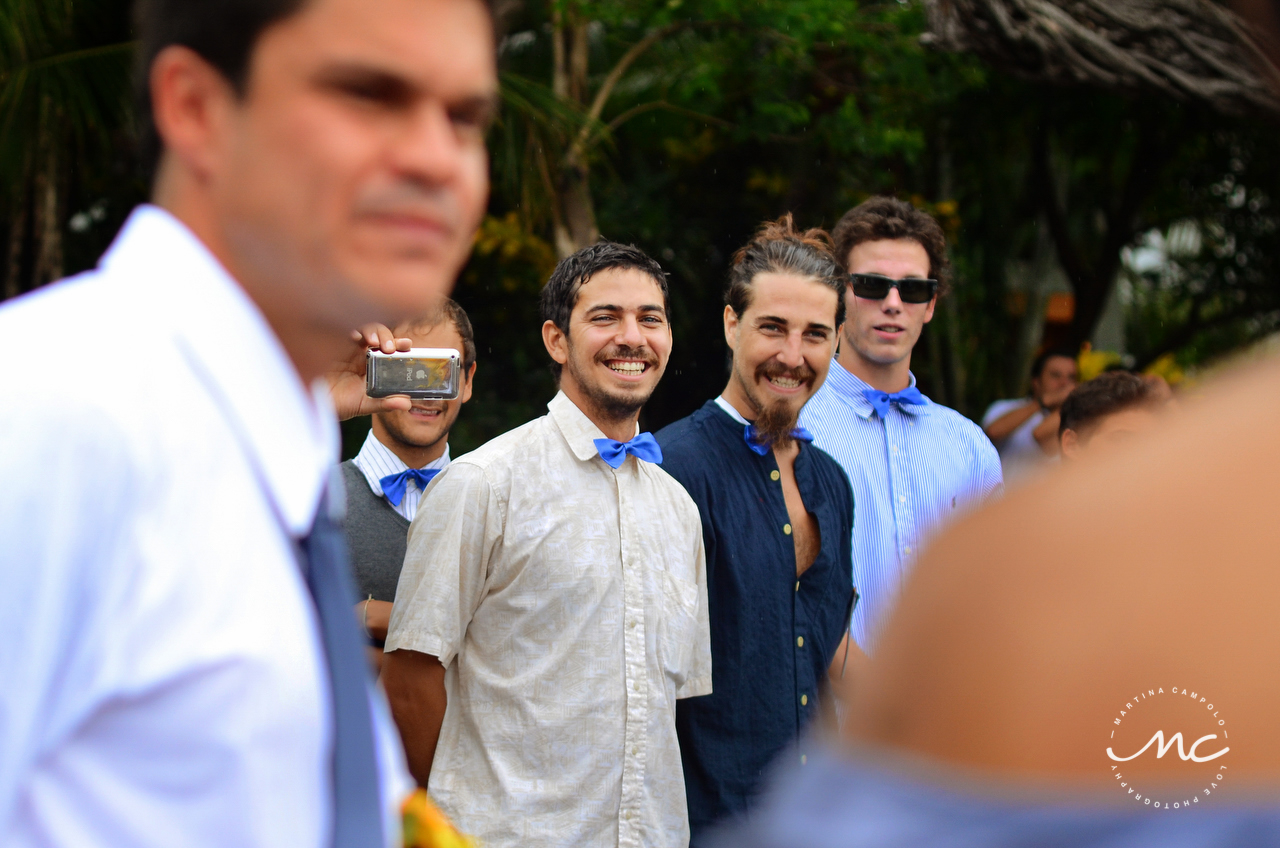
910 289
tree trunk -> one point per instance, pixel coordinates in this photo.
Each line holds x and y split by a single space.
575 218
48 214
17 235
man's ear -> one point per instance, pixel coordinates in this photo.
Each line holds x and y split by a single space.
731 328
1071 445
468 380
928 313
556 342
191 105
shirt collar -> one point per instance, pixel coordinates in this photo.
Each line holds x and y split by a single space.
375 460
288 431
851 387
733 413
577 429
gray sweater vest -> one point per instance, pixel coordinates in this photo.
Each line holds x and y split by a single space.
377 536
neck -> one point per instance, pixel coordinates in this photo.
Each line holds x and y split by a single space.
738 399
411 455
618 429
886 377
312 346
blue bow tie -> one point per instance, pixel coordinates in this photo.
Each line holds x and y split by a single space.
393 485
762 448
643 446
880 400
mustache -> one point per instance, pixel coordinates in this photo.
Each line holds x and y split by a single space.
411 198
774 368
641 354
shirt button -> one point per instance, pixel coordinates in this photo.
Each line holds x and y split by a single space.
797 585
636 686
908 549
803 759
902 498
804 700
786 528
774 475
635 752
799 641
893 448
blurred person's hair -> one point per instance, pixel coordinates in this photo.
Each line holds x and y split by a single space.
452 312
1038 364
779 248
887 218
560 294
1106 394
222 32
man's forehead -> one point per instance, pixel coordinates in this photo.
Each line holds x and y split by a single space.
620 287
443 46
793 297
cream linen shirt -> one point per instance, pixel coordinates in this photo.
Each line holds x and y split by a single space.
568 604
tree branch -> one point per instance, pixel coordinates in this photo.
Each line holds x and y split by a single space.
579 146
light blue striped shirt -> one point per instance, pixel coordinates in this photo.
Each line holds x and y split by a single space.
911 473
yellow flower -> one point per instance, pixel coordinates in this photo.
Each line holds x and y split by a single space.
426 827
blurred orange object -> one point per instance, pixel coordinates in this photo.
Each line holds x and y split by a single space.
426 827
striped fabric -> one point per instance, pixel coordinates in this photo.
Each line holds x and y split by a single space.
376 461
911 474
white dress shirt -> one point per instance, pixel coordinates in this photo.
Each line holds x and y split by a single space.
164 678
375 461
567 601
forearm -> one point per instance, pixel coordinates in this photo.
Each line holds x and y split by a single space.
414 684
1003 427
1046 433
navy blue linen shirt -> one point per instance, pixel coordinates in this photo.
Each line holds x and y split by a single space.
772 635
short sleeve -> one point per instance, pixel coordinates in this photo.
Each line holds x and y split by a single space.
991 475
998 409
451 540
697 680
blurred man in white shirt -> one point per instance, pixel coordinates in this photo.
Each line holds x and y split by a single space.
181 664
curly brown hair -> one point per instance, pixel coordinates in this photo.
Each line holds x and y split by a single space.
780 248
881 218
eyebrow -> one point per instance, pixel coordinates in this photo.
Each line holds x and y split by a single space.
391 87
611 307
775 319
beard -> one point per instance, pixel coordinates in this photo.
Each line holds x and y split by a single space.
614 406
775 421
402 434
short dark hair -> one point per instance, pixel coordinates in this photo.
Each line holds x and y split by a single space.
453 312
880 218
560 294
222 32
1038 364
1104 395
779 248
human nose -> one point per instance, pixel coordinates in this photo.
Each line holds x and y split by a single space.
892 302
791 354
429 148
629 333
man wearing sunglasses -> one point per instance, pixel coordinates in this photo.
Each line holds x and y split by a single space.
913 464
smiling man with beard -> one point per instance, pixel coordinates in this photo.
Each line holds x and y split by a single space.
777 514
404 450
553 601
914 464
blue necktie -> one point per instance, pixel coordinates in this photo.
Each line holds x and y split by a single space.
643 446
357 810
880 400
393 485
762 448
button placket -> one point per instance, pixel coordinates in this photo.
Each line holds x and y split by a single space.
635 731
